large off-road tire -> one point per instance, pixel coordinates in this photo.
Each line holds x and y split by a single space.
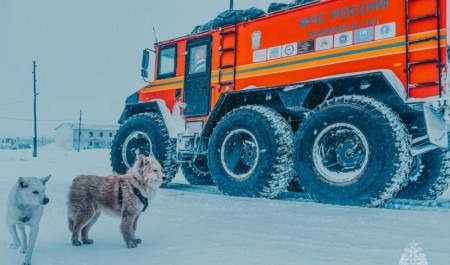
432 179
144 134
197 172
250 153
352 150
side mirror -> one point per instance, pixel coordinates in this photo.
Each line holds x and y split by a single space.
145 59
144 73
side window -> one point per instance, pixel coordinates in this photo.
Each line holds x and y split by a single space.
167 62
197 59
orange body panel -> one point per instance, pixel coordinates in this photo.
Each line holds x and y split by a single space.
320 40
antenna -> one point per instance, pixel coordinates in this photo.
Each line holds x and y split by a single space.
231 4
154 32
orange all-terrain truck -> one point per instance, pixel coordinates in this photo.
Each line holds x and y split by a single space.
349 99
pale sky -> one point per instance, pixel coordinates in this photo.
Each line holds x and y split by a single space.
88 55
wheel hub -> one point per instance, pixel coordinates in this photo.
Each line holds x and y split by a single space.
348 154
135 144
341 153
248 153
239 154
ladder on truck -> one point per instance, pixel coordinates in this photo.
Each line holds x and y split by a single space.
224 36
417 18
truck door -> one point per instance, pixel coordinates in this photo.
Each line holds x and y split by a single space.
197 77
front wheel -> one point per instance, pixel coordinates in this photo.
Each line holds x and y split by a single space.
144 134
352 150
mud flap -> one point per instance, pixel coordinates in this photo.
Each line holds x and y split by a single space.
436 126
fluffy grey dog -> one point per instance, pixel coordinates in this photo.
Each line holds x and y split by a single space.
121 195
25 208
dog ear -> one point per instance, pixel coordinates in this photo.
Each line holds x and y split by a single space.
151 160
22 183
44 180
141 161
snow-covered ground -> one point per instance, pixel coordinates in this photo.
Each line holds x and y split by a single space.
193 228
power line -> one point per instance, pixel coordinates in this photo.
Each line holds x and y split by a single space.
15 103
24 119
15 119
52 120
99 122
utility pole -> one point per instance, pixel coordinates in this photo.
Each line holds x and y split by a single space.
35 120
79 133
231 4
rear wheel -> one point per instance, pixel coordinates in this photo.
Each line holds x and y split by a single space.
144 134
432 179
197 172
250 153
352 150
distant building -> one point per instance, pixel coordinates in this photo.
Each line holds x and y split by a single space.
15 143
92 136
7 143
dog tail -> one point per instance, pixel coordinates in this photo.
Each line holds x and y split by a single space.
70 224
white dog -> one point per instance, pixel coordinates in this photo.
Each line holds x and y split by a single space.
25 207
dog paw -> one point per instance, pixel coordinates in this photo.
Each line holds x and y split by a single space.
132 244
15 245
26 262
138 241
88 241
76 243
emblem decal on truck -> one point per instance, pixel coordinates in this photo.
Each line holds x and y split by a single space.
363 35
385 31
289 50
256 40
259 55
324 43
343 39
274 53
305 46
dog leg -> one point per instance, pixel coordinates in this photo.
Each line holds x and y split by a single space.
23 238
126 228
34 231
137 240
84 232
76 235
80 220
16 241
